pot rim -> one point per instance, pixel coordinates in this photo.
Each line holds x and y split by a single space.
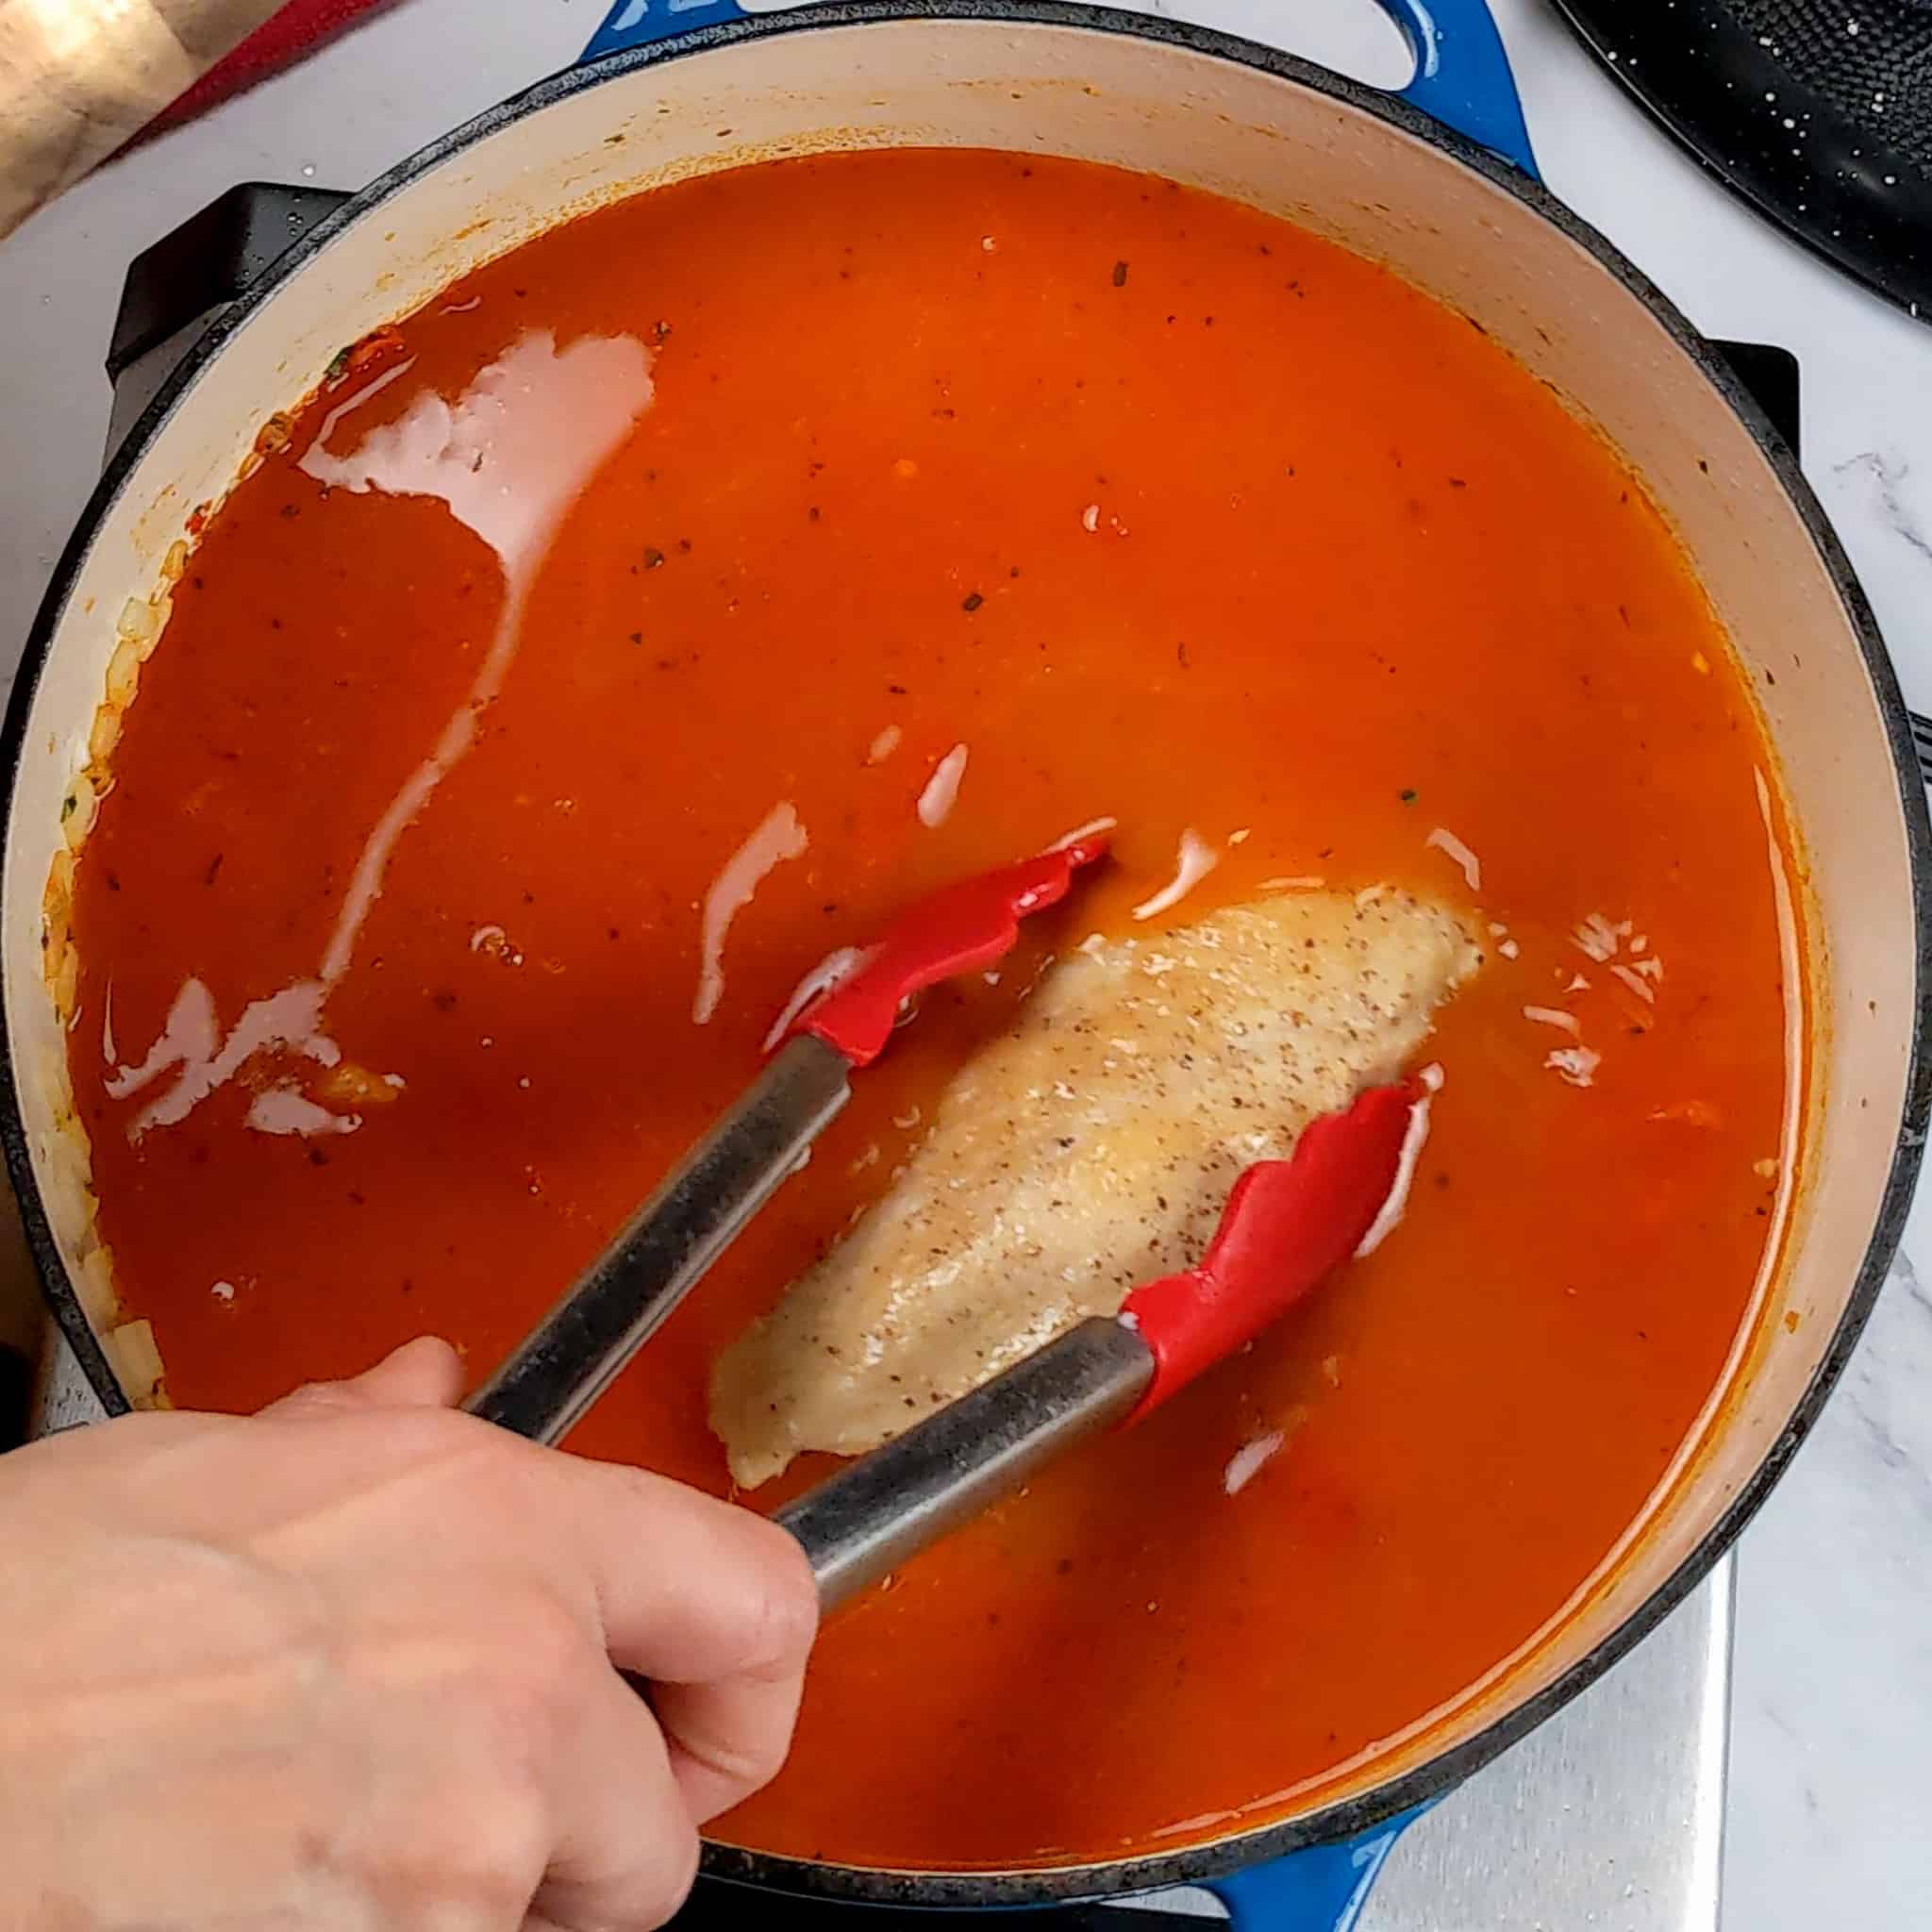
1385 1802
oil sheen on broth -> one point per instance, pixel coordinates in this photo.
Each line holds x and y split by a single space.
463 847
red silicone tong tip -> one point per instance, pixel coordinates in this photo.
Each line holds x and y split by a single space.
1287 1225
960 928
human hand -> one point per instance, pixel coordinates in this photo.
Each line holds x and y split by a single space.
348 1664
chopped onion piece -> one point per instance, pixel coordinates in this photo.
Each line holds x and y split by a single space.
1577 1064
1637 984
778 837
1448 844
1389 1215
1248 1461
1195 859
1598 940
1079 832
943 788
286 1110
1553 1016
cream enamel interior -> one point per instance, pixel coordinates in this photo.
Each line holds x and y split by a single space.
1226 127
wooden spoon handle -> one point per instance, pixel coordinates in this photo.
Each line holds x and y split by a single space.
79 79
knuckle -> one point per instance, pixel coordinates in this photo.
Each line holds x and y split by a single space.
547 1642
519 1837
484 1849
676 1874
532 1668
736 1757
749 1764
316 1399
506 1841
447 1435
465 1842
366 1433
481 1471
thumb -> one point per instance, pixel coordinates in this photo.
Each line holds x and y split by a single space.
424 1373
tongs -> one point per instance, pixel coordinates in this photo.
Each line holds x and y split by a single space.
629 1292
1286 1225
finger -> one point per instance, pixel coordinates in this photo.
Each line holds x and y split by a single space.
715 1607
424 1373
688 1589
728 1738
627 1849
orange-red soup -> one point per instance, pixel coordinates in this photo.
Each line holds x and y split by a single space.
1164 509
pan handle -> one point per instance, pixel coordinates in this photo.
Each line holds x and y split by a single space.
1463 77
208 260
1324 1886
180 286
635 23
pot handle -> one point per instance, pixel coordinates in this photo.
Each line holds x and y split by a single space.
1463 77
635 23
1319 1889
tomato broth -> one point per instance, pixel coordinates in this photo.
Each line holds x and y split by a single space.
1160 508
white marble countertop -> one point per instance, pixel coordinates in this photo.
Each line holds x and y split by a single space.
1832 1725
